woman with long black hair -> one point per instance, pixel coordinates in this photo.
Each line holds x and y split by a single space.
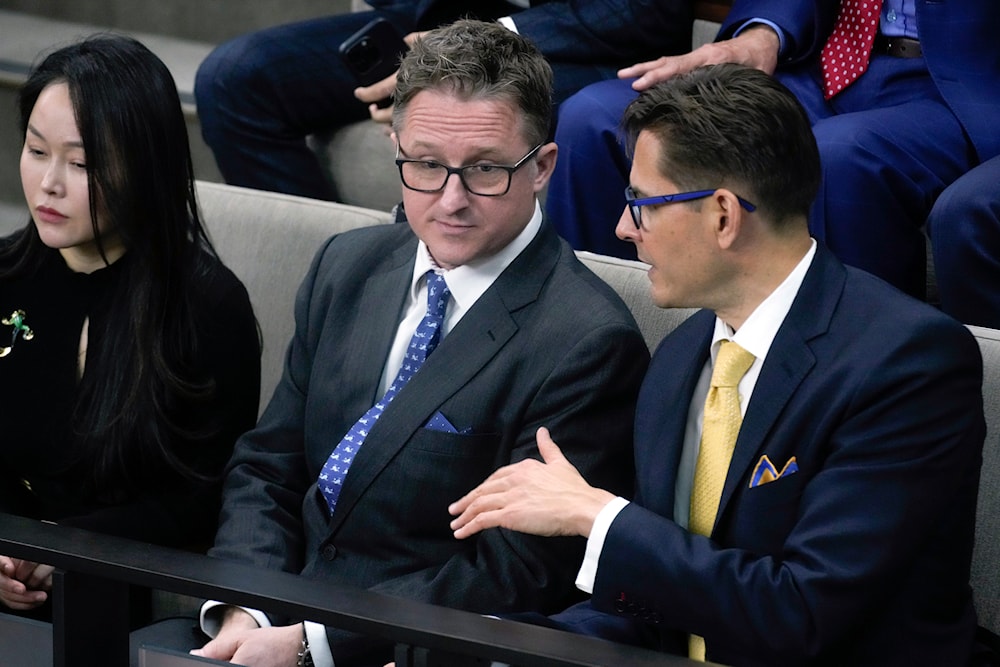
129 355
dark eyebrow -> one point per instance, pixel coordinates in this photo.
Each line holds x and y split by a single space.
486 155
71 144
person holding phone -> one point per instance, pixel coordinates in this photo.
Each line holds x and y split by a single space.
260 95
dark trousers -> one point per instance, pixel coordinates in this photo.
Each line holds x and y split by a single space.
889 146
260 95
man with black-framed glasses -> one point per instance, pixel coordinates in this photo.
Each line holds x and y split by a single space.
485 179
425 355
807 446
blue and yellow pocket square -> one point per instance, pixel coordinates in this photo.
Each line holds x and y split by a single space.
765 471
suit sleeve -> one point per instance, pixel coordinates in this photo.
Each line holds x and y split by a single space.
806 23
261 519
587 402
900 454
615 31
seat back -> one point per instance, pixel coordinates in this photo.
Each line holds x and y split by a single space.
628 278
985 576
269 240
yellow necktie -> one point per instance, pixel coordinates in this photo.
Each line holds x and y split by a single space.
718 439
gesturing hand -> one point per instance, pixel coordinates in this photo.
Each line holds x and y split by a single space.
547 497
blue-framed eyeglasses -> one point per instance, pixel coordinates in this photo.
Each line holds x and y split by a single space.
485 180
635 204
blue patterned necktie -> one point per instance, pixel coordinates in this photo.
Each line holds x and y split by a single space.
423 342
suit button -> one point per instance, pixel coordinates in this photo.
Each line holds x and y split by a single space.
650 616
329 552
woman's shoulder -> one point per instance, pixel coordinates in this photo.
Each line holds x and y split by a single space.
216 291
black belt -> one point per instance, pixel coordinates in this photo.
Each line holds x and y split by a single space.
898 47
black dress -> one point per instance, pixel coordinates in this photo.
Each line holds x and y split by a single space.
44 473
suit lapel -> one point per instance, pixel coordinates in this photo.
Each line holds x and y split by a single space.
475 340
383 296
660 415
789 361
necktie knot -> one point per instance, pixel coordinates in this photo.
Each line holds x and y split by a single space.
428 332
731 365
437 295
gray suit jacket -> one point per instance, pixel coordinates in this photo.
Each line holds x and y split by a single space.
549 344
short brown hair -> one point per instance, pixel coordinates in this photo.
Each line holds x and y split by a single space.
477 59
733 126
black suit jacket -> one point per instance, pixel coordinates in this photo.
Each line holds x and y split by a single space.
549 344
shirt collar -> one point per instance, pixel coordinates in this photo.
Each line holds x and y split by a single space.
468 282
760 328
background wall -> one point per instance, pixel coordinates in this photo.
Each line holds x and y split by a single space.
201 20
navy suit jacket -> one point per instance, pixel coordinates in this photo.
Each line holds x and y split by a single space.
862 556
548 344
959 39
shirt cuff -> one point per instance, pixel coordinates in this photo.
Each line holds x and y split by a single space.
595 544
210 618
508 22
770 24
319 644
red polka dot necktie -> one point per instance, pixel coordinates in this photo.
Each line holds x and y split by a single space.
846 53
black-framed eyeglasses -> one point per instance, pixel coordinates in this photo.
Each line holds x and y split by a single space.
635 204
485 180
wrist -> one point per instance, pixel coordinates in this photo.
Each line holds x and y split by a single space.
590 510
304 655
237 618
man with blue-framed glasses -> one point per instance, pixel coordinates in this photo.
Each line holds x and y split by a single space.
807 445
635 202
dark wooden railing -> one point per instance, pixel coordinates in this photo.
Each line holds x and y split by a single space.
95 572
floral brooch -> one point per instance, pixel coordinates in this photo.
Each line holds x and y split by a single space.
16 320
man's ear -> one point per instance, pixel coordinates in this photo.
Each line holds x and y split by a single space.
730 217
545 161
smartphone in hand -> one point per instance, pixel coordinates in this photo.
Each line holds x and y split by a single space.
373 52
